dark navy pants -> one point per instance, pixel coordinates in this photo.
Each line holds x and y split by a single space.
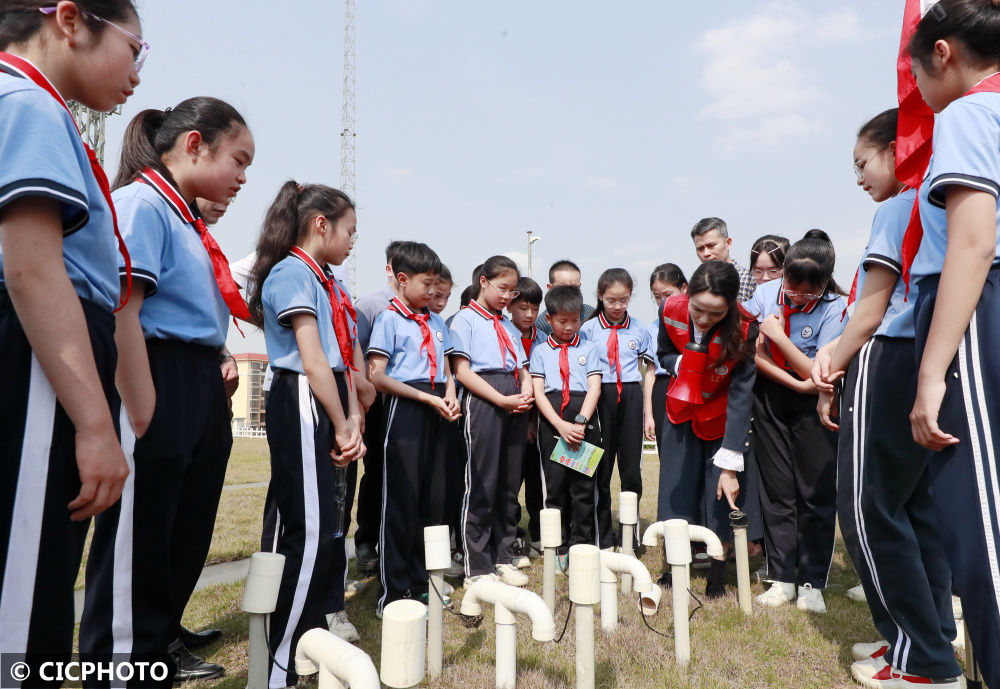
886 511
965 476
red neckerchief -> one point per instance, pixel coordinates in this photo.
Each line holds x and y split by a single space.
915 230
789 309
19 67
526 342
220 265
503 337
426 342
563 348
614 363
345 340
853 296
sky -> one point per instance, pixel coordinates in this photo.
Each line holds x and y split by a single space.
607 129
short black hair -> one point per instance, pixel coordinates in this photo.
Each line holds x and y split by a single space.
468 294
445 274
563 264
414 258
707 225
563 299
391 250
529 291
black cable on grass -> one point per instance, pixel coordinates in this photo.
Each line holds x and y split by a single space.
450 606
668 634
566 623
268 644
700 604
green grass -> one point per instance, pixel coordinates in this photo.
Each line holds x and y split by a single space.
774 648
249 462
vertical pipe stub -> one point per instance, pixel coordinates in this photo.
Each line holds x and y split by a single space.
260 592
437 548
628 508
404 637
739 521
550 521
585 574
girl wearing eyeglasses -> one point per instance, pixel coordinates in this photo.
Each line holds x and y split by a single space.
490 363
885 504
60 458
666 280
767 256
622 342
796 456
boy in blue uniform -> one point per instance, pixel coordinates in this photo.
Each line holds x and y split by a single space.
566 376
523 311
408 362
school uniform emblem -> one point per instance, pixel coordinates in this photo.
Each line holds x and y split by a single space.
440 336
807 332
722 370
582 360
632 344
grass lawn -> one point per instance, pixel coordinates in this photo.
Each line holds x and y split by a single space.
775 648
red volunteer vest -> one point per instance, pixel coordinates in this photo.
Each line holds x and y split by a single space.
708 419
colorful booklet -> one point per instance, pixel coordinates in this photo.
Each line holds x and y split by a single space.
584 459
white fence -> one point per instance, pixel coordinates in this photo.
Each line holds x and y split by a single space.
249 433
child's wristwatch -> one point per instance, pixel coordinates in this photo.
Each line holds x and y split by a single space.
580 418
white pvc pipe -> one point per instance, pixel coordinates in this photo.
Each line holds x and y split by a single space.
739 523
339 663
260 596
404 639
628 515
437 558
550 521
652 535
506 664
713 546
649 602
611 565
682 635
584 592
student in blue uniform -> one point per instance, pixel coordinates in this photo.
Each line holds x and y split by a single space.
956 57
523 311
490 365
60 459
408 363
313 415
767 258
666 280
567 380
884 499
621 342
707 342
150 550
796 456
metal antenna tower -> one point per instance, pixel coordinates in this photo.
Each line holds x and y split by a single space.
91 124
347 133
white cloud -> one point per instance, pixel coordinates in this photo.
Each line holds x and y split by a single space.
755 77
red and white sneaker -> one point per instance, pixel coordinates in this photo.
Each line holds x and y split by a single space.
864 671
889 678
865 651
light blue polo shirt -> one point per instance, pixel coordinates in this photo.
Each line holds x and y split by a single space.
808 330
966 153
476 339
42 154
292 288
654 333
183 301
582 358
398 338
634 343
885 249
368 308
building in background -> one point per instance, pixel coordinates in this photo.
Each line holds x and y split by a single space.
250 398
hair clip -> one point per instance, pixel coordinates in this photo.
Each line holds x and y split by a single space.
167 111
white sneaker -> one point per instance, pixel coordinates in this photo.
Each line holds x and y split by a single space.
779 594
469 581
863 651
457 567
340 625
863 672
509 574
857 593
889 678
521 551
810 599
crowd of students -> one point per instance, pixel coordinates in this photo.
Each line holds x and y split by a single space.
765 389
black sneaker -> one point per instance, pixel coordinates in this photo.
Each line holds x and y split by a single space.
714 590
191 667
192 639
366 558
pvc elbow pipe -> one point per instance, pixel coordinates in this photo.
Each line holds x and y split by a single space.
513 599
617 563
652 535
319 649
404 638
713 546
649 602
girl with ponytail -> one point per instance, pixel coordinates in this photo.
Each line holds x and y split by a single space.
956 63
150 548
313 415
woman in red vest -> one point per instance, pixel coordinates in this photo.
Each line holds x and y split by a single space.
706 342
